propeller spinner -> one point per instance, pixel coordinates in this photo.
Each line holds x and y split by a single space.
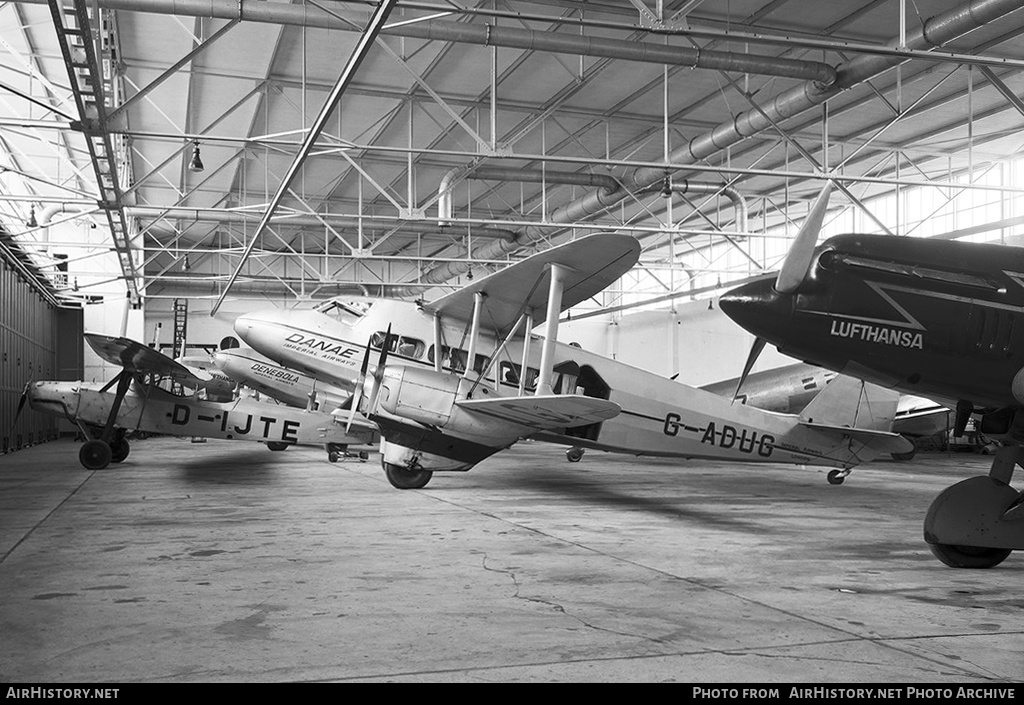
791 275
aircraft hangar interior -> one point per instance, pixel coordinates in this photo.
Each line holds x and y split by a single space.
558 243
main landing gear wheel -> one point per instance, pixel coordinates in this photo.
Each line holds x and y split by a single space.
976 523
836 477
969 556
406 479
277 445
95 455
574 455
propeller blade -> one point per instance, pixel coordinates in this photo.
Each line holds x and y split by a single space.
21 405
798 261
755 352
357 393
378 372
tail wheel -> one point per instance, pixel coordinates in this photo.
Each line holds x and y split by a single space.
406 479
95 455
969 556
836 477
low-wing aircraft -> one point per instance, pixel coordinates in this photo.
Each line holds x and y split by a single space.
291 387
462 377
789 388
138 403
936 318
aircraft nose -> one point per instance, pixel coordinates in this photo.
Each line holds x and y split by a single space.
253 323
758 308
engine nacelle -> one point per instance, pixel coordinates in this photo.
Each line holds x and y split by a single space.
429 397
420 395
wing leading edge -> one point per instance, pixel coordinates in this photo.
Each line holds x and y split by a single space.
593 263
135 357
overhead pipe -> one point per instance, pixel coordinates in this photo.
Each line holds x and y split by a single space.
609 185
685 186
934 32
219 215
491 35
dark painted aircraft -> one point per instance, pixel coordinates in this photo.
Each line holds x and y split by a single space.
936 318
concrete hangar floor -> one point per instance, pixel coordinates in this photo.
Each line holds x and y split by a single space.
227 562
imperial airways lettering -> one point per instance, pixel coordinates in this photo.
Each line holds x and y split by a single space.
327 347
877 334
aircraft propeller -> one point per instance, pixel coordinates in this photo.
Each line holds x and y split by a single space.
357 393
378 372
794 268
21 404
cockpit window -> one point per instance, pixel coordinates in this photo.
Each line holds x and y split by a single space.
347 312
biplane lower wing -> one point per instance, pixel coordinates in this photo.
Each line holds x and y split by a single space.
545 412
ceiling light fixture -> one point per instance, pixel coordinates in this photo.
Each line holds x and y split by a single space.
666 187
196 164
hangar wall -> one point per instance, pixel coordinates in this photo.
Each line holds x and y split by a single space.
700 344
37 341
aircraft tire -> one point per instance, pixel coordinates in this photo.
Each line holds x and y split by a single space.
277 445
836 477
94 455
969 556
405 479
119 451
574 455
333 456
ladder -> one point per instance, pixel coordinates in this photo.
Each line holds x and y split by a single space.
86 76
180 327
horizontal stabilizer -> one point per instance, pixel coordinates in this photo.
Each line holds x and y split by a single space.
880 441
546 412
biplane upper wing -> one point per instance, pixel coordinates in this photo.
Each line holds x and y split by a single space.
546 412
136 357
594 262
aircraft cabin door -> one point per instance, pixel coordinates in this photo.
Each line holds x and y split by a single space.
571 378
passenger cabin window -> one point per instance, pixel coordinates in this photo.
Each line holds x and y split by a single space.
454 359
403 345
510 375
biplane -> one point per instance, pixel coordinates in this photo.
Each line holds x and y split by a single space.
462 377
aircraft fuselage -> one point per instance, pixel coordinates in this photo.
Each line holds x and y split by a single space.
659 417
161 412
943 320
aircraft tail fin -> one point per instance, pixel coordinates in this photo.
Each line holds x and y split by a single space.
858 409
851 403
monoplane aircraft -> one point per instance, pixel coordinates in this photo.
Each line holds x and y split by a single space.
931 317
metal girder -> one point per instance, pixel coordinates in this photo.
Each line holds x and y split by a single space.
71 22
377 21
